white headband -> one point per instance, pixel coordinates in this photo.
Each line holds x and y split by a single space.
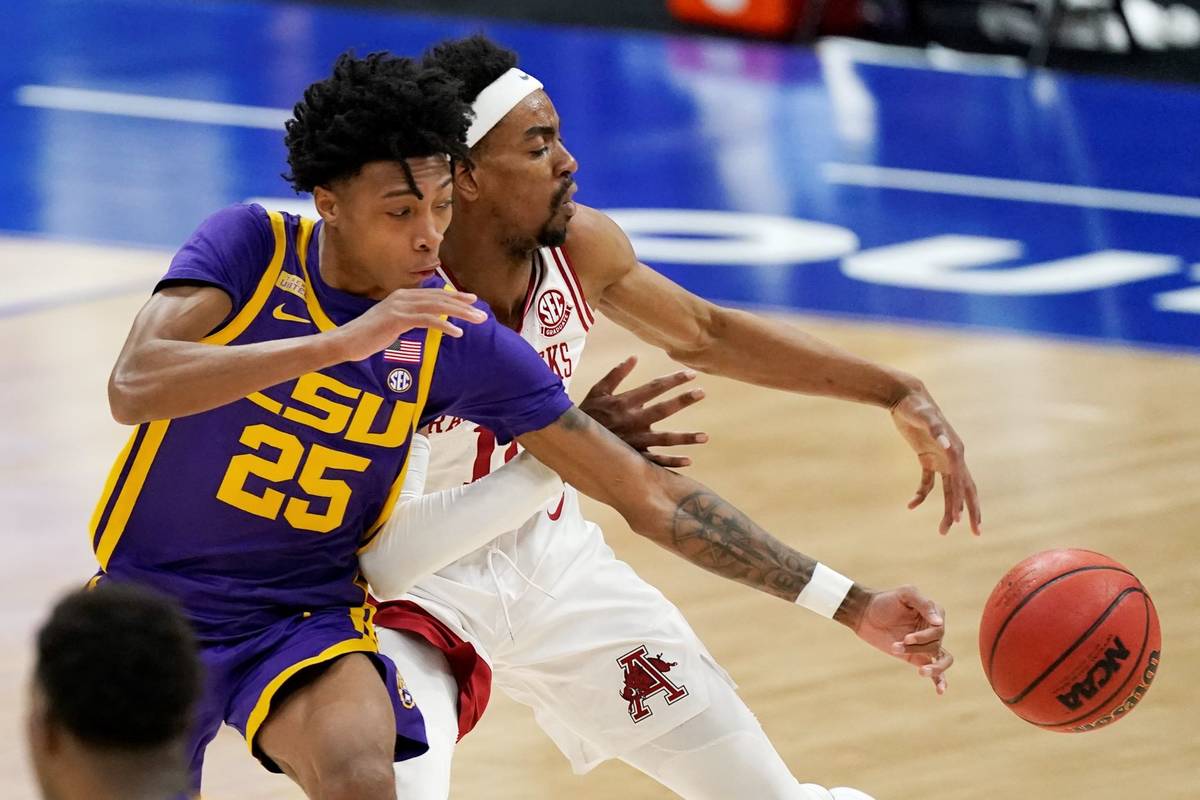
499 98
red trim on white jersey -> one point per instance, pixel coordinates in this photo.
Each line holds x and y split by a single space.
587 309
535 280
575 293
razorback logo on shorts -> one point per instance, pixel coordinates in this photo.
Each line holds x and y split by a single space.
553 312
645 676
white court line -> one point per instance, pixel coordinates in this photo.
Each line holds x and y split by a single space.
151 107
934 58
1063 194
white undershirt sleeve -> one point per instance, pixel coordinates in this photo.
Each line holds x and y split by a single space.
429 531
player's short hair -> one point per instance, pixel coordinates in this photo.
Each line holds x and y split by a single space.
475 62
118 667
379 108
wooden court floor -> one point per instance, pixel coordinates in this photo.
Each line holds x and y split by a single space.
1071 445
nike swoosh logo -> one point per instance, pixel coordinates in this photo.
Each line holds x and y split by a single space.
556 513
279 313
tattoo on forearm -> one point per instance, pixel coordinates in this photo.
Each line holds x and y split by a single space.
713 534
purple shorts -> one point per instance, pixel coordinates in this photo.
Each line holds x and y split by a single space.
243 675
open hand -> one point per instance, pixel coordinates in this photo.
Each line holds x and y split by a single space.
403 310
628 416
940 451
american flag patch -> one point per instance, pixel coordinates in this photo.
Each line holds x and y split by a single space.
404 352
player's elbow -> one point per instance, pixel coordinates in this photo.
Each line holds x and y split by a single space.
126 399
700 348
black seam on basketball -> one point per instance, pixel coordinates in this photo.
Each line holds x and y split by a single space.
1136 672
1066 653
1000 633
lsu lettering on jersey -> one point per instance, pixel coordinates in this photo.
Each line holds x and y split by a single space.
255 510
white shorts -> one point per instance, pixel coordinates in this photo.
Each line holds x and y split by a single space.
605 661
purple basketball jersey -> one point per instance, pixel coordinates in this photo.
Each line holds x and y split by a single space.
255 510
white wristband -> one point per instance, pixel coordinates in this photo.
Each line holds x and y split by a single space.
825 592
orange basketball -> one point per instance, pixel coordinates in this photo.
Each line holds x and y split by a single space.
1069 640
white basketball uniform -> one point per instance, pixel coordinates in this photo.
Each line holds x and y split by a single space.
609 666
603 659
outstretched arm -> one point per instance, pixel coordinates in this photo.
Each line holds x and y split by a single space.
166 371
750 348
672 510
695 523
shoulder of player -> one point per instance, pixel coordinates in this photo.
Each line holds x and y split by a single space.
599 250
239 229
239 217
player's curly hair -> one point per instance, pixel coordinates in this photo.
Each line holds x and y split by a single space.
118 667
475 61
379 108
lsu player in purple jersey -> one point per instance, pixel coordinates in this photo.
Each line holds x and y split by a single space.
275 379
545 612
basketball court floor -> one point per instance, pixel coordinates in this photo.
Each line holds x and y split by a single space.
1028 244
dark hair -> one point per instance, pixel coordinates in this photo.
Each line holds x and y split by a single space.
118 666
475 61
378 108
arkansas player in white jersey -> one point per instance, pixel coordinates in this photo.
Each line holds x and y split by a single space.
545 611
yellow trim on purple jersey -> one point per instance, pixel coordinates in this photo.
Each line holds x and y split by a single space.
132 487
322 320
262 708
140 450
117 468
263 291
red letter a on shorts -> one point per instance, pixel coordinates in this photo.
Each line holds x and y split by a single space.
645 677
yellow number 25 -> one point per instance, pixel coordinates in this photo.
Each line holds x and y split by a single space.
312 479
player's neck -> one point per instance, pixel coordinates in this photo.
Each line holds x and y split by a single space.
499 275
337 272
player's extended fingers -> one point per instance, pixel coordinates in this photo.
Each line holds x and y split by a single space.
609 383
436 323
462 297
652 389
954 481
451 299
660 411
973 509
927 641
956 473
940 662
452 307
670 462
923 489
436 305
948 497
414 297
648 439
